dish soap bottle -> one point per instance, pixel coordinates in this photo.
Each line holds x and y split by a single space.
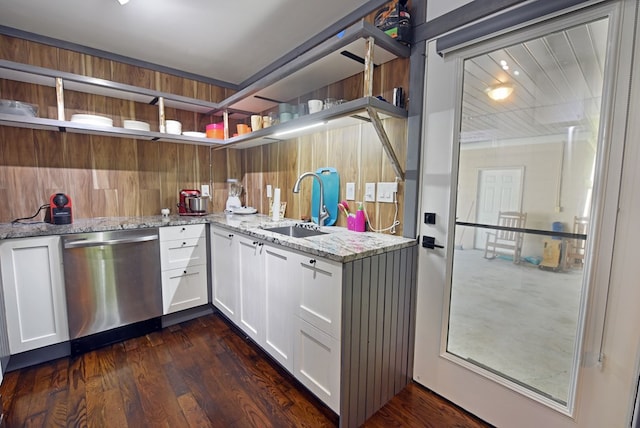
360 219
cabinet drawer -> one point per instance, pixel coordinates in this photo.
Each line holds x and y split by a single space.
320 294
184 288
182 232
317 363
183 252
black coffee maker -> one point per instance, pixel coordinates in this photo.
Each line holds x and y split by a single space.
59 211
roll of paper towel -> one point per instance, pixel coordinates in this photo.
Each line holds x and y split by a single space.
276 204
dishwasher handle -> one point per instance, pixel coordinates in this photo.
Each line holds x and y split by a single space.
82 243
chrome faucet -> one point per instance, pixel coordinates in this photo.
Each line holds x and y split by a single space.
322 210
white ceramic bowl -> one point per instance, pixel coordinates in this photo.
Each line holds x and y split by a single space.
92 119
137 125
194 134
173 127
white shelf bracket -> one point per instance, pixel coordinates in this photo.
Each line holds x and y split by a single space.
386 144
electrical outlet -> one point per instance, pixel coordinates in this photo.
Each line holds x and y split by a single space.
269 189
386 191
204 190
370 192
351 192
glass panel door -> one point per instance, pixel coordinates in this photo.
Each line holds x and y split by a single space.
527 154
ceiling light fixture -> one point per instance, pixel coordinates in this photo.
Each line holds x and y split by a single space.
499 92
123 2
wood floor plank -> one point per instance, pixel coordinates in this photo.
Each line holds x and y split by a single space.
194 414
200 373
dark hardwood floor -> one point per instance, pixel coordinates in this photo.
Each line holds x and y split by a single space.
200 373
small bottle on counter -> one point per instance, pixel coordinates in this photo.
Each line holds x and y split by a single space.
360 219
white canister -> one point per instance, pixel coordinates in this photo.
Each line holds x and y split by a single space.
276 204
315 106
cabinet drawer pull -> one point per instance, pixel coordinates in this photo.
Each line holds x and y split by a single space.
183 274
184 245
184 228
312 261
255 242
231 235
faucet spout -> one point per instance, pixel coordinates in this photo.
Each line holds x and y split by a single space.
322 209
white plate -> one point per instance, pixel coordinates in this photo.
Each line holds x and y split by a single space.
194 134
137 125
244 210
92 119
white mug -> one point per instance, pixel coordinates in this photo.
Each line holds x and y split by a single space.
256 122
315 106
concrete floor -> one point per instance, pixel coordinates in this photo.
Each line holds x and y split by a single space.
516 320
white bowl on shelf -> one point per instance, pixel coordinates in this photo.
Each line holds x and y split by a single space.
173 127
92 119
194 134
137 125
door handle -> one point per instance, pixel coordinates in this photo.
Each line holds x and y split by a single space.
430 242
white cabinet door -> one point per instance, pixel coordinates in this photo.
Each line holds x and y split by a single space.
34 294
225 271
317 363
251 288
280 281
320 293
184 288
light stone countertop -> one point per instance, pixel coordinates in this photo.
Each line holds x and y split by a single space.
339 244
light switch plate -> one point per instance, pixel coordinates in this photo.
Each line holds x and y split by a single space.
386 191
370 192
351 192
269 190
204 190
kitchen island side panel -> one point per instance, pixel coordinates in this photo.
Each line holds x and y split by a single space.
377 323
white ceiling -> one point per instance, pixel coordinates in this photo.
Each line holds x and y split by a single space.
225 40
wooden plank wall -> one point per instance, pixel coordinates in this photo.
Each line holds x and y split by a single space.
108 176
356 152
377 326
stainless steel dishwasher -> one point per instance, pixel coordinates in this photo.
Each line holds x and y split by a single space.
113 286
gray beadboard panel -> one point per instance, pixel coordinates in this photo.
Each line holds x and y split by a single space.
394 323
379 349
375 336
363 339
387 350
345 358
376 330
352 341
410 309
404 315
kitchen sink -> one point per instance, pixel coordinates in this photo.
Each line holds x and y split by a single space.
295 231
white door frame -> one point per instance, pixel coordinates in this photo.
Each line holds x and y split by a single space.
608 373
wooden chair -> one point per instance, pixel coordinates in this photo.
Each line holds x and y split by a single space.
576 247
506 242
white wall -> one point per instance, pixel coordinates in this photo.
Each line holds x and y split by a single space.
551 179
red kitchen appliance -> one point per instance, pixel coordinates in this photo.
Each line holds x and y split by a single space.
59 211
192 203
